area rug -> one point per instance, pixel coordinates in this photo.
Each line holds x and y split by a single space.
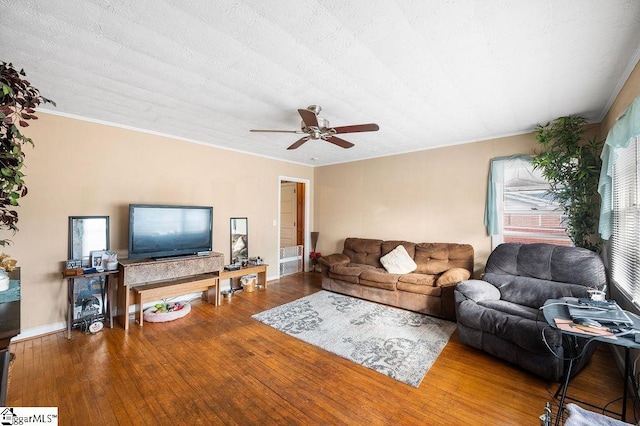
401 344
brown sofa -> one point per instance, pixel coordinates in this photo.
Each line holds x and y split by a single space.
357 271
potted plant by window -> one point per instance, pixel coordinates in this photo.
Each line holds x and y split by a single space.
571 164
18 100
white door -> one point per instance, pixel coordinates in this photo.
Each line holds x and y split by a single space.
288 214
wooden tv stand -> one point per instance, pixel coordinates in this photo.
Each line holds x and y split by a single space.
141 279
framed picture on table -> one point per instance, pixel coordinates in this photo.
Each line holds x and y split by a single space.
97 259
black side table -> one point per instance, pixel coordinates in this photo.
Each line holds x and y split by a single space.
557 309
9 328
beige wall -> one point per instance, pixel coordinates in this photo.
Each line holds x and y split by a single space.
436 195
83 168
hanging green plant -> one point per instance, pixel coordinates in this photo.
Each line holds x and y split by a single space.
571 163
18 100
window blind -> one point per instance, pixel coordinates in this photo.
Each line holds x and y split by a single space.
625 250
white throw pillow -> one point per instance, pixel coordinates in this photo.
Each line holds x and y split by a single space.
398 261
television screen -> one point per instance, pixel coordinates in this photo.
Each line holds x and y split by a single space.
165 231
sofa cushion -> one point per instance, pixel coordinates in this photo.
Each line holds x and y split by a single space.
420 284
334 259
453 276
349 272
435 258
532 292
379 278
364 251
398 261
548 262
419 279
388 246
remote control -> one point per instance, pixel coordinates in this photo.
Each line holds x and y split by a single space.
605 304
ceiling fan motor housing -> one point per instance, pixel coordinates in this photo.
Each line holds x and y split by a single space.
317 128
313 131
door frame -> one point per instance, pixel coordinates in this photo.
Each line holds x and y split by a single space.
307 207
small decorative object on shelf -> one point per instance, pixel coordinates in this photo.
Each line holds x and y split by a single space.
97 259
314 256
74 263
72 272
110 260
6 265
254 261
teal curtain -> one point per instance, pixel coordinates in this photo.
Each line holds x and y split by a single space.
627 127
492 219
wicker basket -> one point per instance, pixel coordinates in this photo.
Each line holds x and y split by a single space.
249 287
249 282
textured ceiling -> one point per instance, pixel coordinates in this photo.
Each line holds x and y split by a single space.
431 73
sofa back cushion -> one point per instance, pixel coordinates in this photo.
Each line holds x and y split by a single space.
530 273
532 292
435 258
388 246
364 251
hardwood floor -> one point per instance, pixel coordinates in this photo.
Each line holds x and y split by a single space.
219 366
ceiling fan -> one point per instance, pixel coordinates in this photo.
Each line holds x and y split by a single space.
318 128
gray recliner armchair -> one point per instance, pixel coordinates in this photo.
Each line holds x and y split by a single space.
500 314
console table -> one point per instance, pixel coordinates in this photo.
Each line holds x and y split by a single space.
140 279
9 328
260 270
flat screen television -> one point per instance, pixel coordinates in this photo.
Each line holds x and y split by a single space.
157 231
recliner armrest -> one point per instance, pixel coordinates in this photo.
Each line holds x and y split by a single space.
478 290
334 259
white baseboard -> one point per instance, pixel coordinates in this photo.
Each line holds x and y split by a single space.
39 331
60 326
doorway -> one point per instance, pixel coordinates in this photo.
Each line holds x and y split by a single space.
293 223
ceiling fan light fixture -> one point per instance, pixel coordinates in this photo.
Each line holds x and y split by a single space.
317 128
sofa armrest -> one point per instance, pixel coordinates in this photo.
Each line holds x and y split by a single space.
477 290
334 259
452 277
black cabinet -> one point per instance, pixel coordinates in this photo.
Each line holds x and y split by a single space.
9 327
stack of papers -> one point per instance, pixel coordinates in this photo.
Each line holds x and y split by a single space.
568 325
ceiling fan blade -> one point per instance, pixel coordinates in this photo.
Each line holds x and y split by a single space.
309 117
299 142
372 127
277 131
338 141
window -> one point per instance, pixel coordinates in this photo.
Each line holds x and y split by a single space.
523 210
625 253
